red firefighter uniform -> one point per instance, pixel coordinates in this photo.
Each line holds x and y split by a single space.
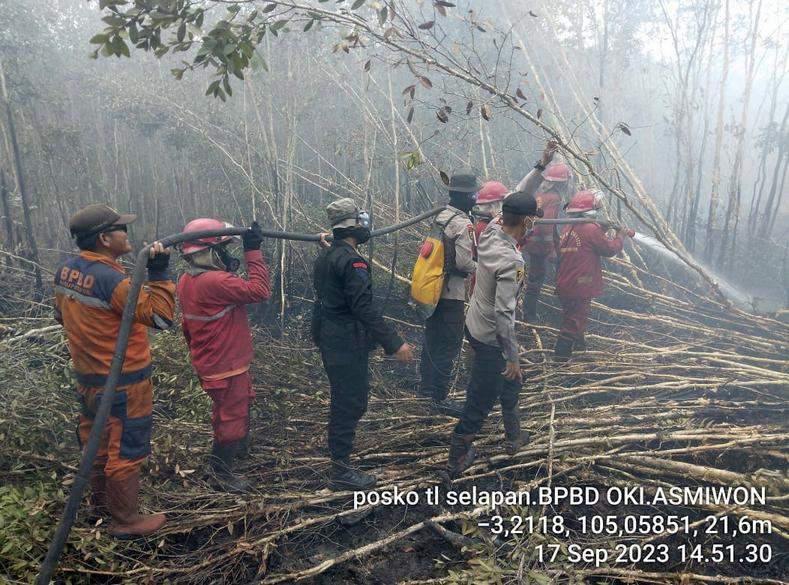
90 293
220 343
580 275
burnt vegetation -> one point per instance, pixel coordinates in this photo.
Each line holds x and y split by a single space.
270 110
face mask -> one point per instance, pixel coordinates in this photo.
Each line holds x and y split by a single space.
359 233
231 264
465 203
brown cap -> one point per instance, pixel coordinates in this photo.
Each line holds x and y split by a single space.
97 217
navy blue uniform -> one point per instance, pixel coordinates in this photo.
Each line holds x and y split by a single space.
346 326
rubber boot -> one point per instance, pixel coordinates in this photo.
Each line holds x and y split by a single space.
461 454
530 306
563 349
222 457
514 437
345 477
122 501
579 345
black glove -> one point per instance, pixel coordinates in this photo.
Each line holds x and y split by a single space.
253 237
157 267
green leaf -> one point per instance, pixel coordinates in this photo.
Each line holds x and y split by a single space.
226 84
221 94
234 8
99 39
177 73
212 88
357 4
181 32
308 26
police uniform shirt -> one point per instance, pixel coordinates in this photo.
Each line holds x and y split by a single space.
500 276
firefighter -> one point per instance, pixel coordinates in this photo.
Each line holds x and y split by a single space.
215 325
488 206
580 277
490 330
489 200
444 328
539 245
346 326
90 293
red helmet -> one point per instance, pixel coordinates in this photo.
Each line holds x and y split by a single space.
557 172
203 224
491 191
583 201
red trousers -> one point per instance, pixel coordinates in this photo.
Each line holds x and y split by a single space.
575 313
231 398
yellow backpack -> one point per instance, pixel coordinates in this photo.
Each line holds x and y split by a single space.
427 279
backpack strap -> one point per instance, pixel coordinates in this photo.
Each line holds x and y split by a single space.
449 246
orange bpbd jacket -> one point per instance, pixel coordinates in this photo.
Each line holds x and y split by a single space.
215 319
90 293
580 274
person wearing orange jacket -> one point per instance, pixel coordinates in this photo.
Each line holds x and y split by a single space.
539 245
90 293
580 275
215 325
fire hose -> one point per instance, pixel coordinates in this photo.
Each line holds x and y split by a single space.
605 224
81 478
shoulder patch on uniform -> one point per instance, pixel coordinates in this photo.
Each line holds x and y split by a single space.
519 274
470 230
360 265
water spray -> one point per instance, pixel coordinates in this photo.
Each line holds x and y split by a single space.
738 297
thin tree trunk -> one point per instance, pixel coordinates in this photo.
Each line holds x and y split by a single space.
716 163
31 239
8 218
729 239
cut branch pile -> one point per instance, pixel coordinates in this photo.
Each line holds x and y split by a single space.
675 391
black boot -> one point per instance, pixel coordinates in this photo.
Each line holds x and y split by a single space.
563 349
222 457
345 477
514 437
448 407
461 454
530 306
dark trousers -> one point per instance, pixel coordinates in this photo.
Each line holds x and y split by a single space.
538 267
575 313
443 339
350 388
486 386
